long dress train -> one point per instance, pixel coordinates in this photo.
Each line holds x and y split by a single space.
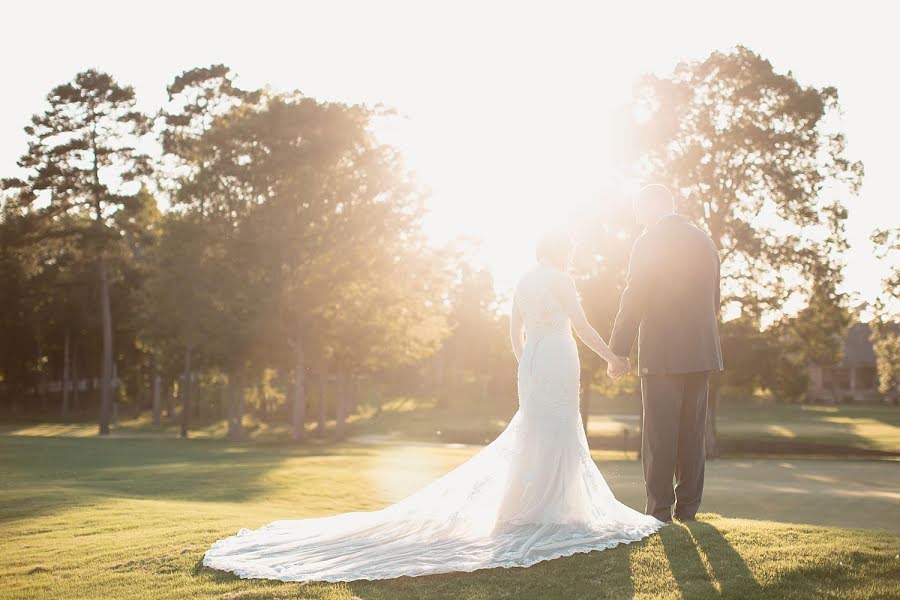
532 494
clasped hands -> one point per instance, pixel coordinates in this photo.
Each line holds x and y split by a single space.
618 367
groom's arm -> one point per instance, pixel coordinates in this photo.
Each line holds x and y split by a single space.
633 302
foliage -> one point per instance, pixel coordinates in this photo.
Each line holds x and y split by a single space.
754 161
82 155
885 326
291 244
752 356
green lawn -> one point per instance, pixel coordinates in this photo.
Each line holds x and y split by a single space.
744 429
822 430
123 518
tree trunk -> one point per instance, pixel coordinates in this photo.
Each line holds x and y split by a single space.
114 393
76 404
66 378
341 405
440 391
712 436
170 404
107 350
186 393
157 395
379 398
197 403
143 390
323 401
42 374
263 401
355 395
229 405
223 401
137 391
239 408
299 413
585 400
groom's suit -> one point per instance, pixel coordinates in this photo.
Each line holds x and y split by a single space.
671 302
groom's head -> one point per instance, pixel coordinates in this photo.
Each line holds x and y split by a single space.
653 202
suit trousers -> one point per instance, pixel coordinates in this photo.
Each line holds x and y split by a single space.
673 436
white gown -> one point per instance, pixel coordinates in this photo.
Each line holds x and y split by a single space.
531 495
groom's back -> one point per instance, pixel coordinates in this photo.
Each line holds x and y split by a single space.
679 328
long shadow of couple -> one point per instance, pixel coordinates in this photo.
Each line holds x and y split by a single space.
683 544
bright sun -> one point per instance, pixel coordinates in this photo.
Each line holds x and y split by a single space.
504 175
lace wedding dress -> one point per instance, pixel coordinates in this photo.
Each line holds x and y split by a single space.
531 495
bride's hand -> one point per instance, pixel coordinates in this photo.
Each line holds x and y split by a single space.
617 367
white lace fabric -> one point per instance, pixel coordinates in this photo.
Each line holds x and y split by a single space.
533 494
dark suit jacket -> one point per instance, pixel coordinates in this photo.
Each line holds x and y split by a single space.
672 300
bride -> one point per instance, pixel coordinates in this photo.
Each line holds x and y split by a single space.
531 495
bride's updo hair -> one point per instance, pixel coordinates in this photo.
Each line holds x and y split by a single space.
555 249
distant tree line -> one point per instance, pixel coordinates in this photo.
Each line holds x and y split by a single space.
293 246
289 268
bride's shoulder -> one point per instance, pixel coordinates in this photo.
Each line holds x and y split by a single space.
529 279
528 274
543 277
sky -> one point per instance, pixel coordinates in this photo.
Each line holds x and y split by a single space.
505 106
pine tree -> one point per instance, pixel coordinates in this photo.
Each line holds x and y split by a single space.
83 160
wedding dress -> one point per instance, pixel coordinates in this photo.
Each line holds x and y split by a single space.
531 495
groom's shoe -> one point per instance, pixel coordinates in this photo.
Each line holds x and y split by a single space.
685 519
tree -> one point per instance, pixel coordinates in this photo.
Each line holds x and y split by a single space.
814 336
334 224
887 244
475 336
387 314
310 210
752 355
214 300
82 155
17 265
885 325
49 288
751 156
178 311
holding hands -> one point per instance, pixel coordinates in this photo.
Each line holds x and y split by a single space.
617 367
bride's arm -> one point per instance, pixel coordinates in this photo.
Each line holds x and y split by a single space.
587 334
516 330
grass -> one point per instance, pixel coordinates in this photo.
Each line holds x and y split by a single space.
866 427
791 428
744 429
124 518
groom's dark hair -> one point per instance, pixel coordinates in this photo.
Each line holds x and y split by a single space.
555 248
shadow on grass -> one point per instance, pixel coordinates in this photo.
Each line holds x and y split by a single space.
685 562
214 575
48 474
727 576
728 567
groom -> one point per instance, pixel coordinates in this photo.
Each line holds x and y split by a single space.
672 299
